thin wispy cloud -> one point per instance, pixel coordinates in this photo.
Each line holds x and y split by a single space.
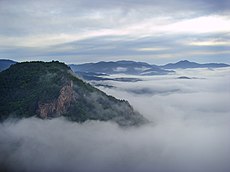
32 29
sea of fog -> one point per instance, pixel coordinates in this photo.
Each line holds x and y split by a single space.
188 130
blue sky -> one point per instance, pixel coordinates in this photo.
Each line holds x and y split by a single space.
78 31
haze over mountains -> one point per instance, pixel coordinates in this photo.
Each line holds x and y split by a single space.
125 67
184 64
98 71
128 67
139 68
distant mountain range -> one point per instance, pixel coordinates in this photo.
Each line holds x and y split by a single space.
100 70
184 64
120 67
4 64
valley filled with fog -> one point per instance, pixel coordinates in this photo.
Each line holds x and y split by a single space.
189 126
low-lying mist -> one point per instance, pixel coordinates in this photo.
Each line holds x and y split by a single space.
188 132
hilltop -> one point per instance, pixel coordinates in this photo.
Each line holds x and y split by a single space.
51 89
5 63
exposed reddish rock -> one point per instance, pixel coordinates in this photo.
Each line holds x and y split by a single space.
59 105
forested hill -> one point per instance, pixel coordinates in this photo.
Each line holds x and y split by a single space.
50 89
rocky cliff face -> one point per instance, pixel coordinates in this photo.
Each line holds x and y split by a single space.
58 106
50 90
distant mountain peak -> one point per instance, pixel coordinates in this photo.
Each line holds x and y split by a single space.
183 64
184 61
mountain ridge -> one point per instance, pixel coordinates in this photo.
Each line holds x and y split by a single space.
51 89
184 64
127 67
117 67
5 64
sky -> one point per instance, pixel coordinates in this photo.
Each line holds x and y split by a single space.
79 31
188 131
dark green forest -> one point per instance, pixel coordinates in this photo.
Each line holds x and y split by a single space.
24 85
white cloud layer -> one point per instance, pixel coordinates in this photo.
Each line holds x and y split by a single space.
189 132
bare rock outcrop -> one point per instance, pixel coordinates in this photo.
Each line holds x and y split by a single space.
59 105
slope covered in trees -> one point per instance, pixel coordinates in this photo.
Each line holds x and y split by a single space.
50 89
